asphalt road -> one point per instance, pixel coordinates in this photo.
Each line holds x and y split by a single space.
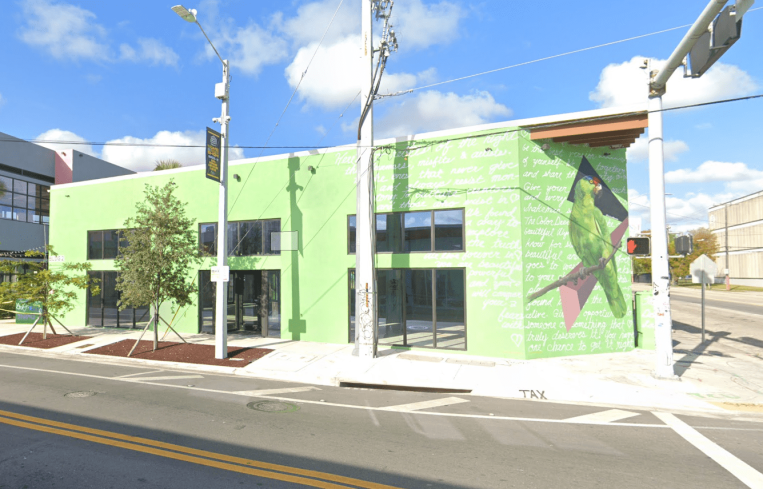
74 424
732 305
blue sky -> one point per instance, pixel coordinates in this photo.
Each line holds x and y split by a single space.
133 71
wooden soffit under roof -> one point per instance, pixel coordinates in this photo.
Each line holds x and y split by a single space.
616 131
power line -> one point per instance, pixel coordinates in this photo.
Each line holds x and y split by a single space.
403 92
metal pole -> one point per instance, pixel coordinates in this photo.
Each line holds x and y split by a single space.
365 285
663 324
726 233
221 288
703 306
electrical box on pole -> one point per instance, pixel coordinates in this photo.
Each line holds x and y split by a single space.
638 246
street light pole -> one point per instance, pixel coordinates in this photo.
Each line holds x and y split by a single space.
222 92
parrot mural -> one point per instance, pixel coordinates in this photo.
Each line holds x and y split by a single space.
591 240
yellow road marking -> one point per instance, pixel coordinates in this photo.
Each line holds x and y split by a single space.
290 475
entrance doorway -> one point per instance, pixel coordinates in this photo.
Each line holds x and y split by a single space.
254 302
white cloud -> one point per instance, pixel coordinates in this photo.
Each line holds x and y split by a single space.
419 26
738 177
153 51
142 154
248 48
2 100
302 29
639 151
334 78
626 83
683 214
433 110
65 31
68 139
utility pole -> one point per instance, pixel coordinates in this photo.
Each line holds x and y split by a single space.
704 46
365 272
221 286
222 92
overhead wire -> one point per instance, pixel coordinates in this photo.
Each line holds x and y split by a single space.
546 58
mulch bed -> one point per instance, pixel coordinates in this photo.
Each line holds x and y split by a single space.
169 351
35 340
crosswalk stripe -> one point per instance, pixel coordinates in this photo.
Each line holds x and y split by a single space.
603 416
270 392
739 469
415 406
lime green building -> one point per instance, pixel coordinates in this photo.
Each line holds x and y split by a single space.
473 234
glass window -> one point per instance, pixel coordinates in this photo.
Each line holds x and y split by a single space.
45 206
6 198
95 245
110 298
250 235
30 203
124 235
419 321
6 212
32 189
19 200
94 310
207 236
19 214
233 249
32 216
7 183
110 244
351 230
390 291
270 226
418 231
449 230
352 305
19 186
389 231
44 191
450 308
45 219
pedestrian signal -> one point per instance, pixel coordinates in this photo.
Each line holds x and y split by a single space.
638 246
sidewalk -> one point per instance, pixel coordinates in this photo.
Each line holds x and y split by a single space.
724 375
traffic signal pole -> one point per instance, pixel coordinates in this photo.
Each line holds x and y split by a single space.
663 324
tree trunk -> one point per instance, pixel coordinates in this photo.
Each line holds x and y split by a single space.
156 326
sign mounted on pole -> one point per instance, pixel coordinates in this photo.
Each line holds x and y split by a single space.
213 155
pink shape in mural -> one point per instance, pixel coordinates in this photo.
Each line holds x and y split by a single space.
574 296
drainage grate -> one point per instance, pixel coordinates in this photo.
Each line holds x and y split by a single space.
80 394
412 388
273 406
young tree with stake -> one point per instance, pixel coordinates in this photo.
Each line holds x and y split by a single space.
159 248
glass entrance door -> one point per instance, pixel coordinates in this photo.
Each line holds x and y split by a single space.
253 302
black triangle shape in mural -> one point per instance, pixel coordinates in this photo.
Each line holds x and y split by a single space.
606 201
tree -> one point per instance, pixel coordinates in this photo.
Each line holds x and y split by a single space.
3 188
53 290
161 249
705 243
167 165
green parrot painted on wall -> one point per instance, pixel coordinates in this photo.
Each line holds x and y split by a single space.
590 237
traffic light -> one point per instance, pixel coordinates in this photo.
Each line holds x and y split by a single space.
684 245
638 246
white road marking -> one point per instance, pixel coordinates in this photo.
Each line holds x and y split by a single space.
739 469
603 416
270 392
139 373
350 406
165 377
415 406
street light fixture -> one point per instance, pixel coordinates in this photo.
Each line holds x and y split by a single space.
222 92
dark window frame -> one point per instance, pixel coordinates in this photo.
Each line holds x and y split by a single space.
402 232
43 216
134 324
434 271
120 239
238 223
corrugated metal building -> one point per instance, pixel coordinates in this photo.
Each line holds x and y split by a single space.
742 220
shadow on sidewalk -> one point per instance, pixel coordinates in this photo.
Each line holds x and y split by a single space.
712 337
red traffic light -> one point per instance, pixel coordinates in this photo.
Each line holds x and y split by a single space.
638 246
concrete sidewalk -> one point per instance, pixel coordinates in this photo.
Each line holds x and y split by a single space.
722 375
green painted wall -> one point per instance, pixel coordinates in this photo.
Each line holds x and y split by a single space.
484 173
